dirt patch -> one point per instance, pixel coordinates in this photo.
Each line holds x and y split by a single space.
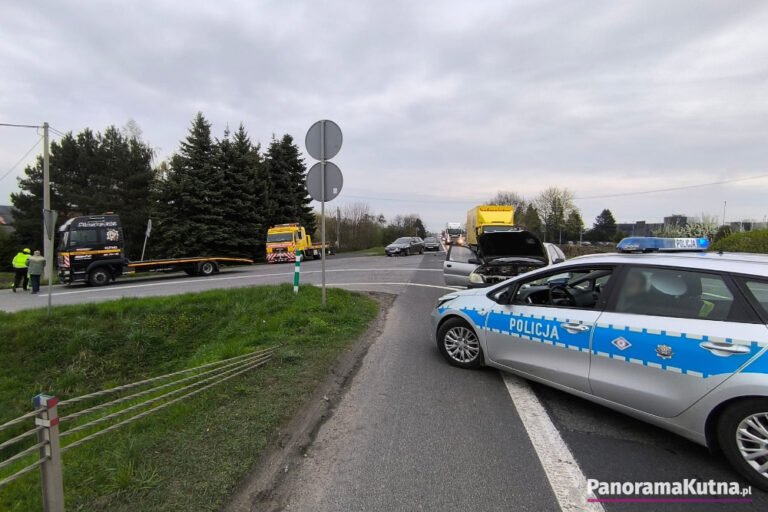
260 489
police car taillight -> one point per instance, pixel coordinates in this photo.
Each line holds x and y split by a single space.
654 244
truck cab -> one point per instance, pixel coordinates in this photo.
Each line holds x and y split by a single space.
90 243
283 240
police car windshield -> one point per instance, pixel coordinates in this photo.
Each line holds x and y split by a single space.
280 237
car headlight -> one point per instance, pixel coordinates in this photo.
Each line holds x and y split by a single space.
444 300
476 278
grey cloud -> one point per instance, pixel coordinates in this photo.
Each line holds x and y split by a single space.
441 103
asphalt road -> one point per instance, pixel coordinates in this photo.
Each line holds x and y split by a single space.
414 433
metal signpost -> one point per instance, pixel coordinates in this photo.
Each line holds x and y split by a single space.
324 179
146 236
49 219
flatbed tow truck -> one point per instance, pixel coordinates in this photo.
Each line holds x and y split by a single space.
283 240
91 250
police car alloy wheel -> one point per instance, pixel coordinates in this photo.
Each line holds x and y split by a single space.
743 436
459 344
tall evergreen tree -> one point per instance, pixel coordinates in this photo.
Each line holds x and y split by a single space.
574 225
604 229
91 173
530 219
189 216
285 172
242 215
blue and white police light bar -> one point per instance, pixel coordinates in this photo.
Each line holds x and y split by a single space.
653 244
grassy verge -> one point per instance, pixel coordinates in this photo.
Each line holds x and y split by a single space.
189 456
6 280
373 251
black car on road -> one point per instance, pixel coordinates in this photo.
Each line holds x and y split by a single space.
432 244
405 246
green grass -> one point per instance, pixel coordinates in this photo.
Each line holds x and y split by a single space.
190 456
373 251
6 280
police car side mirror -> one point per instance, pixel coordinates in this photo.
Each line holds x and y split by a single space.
558 260
474 261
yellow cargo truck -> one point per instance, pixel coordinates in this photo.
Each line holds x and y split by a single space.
488 218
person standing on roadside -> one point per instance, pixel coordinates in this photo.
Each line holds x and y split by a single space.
20 270
35 266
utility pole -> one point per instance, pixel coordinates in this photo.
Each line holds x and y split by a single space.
724 203
338 227
48 242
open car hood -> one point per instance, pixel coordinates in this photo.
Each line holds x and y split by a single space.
504 247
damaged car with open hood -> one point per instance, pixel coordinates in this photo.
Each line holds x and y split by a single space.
497 256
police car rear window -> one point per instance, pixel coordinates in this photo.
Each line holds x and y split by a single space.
759 291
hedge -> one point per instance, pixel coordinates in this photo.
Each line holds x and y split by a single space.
752 241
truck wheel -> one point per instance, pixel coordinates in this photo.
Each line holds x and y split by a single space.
316 255
207 268
99 277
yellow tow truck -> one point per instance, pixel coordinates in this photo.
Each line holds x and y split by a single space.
283 240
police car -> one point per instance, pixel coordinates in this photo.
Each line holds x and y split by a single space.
662 331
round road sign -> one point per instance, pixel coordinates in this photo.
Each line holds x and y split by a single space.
333 181
332 141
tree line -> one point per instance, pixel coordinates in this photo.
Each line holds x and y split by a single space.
213 196
554 217
357 227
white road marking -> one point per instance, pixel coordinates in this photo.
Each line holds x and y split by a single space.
241 276
399 284
563 472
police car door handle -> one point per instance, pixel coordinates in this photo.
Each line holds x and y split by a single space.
724 349
574 328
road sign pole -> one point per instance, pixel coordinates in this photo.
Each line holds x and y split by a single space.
322 203
323 141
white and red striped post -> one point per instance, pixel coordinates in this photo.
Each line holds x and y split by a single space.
50 471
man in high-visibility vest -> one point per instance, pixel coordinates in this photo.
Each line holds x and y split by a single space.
20 269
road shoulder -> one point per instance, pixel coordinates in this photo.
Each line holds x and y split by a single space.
262 488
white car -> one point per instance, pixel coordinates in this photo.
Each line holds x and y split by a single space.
498 256
676 339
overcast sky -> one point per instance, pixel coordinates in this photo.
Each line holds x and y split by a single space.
441 103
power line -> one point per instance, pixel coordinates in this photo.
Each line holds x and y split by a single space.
671 189
57 132
21 125
21 159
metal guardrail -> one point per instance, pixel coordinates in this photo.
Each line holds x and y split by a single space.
165 391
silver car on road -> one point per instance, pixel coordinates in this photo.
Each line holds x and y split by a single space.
675 339
498 256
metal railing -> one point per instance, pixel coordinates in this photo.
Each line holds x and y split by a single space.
147 397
